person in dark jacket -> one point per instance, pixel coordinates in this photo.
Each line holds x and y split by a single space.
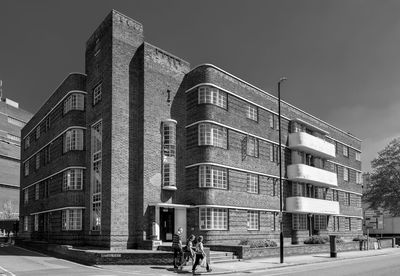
177 246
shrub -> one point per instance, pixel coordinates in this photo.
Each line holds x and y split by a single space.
339 239
258 243
316 240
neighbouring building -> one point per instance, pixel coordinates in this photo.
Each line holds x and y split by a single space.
141 143
12 119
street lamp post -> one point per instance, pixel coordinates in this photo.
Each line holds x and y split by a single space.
280 171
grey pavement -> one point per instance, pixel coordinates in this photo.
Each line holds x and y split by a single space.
258 264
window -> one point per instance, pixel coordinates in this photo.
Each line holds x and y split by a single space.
335 195
13 138
26 223
212 95
36 222
335 168
37 191
276 119
253 220
275 187
358 156
252 112
73 140
347 200
346 176
348 224
337 148
27 142
96 176
26 195
212 135
37 132
73 179
169 174
358 224
46 184
271 120
72 219
169 138
252 146
358 178
15 122
75 101
345 151
46 155
213 177
37 161
47 123
97 94
320 222
26 168
252 183
274 153
336 224
299 221
213 219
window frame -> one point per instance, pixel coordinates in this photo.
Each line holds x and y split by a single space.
212 135
213 177
97 93
212 95
253 183
71 219
210 218
253 220
252 112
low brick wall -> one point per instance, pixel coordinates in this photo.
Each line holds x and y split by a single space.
245 252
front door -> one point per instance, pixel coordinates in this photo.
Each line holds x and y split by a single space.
166 223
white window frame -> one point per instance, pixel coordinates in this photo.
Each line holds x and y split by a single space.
14 138
37 161
253 220
26 195
26 168
358 178
27 142
73 139
346 174
252 112
358 156
37 191
26 223
212 95
213 177
75 101
345 151
16 122
212 135
320 222
36 222
252 183
97 93
71 219
213 218
37 134
299 221
73 179
252 146
169 139
96 176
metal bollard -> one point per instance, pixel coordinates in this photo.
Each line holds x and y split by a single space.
332 241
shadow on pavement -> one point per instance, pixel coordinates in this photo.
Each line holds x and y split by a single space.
7 249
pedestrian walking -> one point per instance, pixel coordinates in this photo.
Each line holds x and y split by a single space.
190 249
200 256
177 246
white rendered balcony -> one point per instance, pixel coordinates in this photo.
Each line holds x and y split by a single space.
298 204
308 174
303 141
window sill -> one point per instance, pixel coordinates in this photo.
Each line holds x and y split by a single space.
169 188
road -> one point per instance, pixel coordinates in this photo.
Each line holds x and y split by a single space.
16 261
376 266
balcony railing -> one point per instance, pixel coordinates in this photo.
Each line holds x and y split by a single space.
307 174
299 204
308 143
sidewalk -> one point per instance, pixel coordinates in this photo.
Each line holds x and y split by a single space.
251 265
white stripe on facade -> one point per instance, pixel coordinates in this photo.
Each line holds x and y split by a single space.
234 207
67 168
54 107
58 209
347 145
234 129
52 140
260 90
254 172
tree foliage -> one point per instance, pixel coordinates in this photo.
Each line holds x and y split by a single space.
384 191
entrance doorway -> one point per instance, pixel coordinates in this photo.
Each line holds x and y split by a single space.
167 223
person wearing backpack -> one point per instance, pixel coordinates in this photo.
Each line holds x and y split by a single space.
200 255
177 246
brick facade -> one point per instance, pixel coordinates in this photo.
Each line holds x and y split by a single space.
143 87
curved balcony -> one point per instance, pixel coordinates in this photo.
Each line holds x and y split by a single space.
307 174
303 141
298 204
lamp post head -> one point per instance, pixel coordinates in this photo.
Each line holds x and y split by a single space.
282 79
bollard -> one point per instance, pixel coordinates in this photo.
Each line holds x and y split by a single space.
332 241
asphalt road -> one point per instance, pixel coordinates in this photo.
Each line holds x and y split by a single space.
375 265
16 261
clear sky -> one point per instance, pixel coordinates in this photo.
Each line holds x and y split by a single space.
341 57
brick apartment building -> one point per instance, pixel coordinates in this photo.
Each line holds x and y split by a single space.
141 144
12 119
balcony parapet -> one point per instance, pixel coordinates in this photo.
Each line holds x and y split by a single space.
307 174
303 141
298 204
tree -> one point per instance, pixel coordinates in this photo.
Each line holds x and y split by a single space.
384 191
